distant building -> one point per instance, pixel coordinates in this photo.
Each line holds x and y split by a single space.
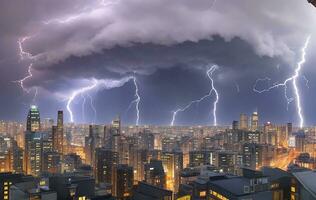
254 121
235 125
33 122
58 134
243 122
300 141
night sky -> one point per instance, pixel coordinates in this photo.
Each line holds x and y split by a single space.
168 46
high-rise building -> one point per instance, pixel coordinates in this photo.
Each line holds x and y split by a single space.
198 158
138 158
33 153
173 164
116 123
225 161
51 162
300 138
71 162
235 125
16 158
33 122
155 174
105 162
58 134
243 122
254 121
92 142
123 179
257 155
47 124
36 143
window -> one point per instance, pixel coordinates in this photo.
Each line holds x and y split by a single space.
293 197
202 193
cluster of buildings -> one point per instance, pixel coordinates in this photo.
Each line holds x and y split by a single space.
44 160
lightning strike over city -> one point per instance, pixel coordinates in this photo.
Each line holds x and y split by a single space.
209 74
137 100
87 90
293 78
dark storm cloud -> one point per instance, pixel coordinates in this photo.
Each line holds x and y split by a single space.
233 56
270 27
75 40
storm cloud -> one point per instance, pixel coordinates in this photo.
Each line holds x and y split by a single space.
74 40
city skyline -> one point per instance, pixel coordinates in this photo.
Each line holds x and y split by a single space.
157 100
41 65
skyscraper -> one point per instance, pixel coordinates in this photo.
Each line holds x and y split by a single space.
243 122
235 125
105 161
172 163
33 153
33 122
58 134
123 179
254 121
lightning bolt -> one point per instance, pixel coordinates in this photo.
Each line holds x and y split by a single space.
136 101
209 74
21 81
306 81
79 92
83 106
93 108
23 54
293 78
95 84
26 55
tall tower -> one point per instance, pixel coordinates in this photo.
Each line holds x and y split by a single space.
33 122
58 133
254 121
243 122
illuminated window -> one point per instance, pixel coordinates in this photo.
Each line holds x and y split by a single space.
42 183
293 189
202 193
6 197
292 197
5 183
5 188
